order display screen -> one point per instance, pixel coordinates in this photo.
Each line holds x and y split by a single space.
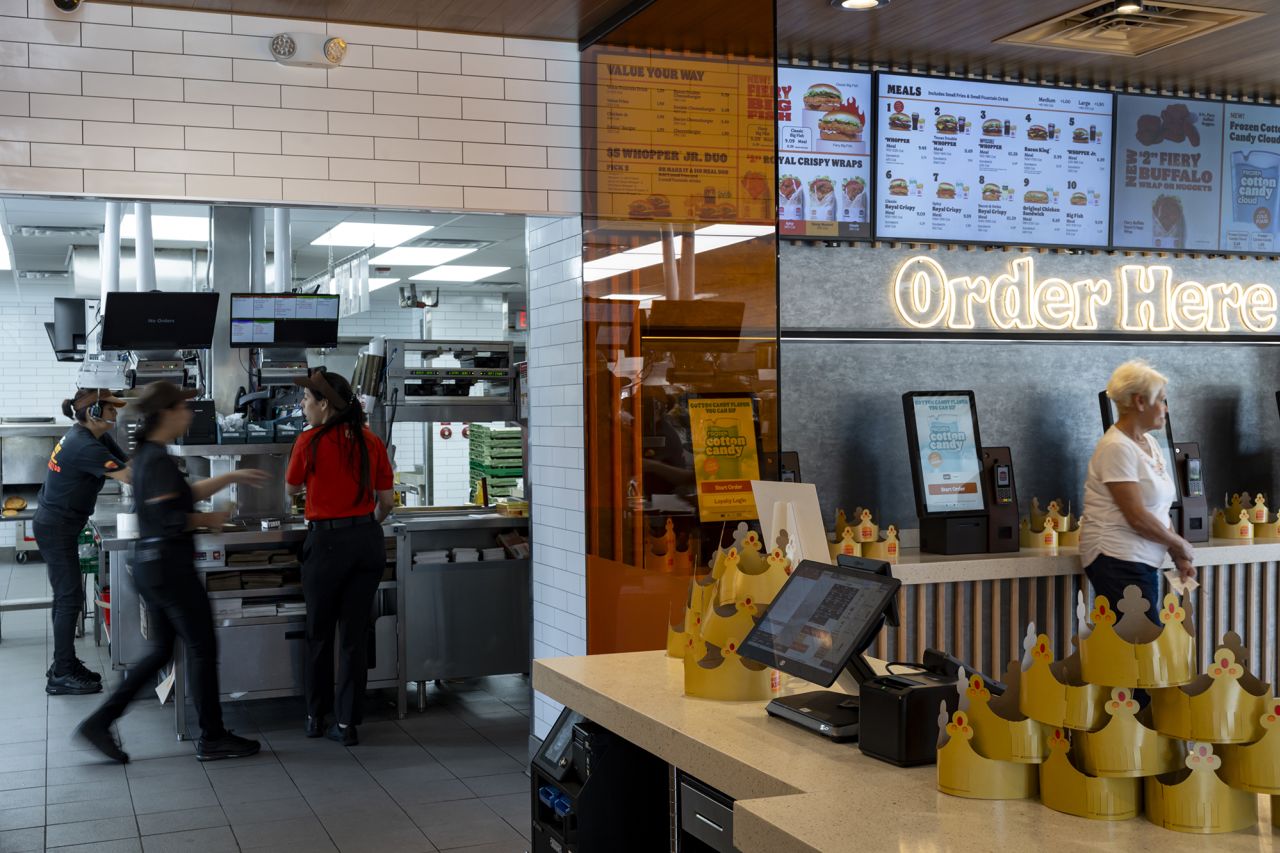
943 437
284 320
975 162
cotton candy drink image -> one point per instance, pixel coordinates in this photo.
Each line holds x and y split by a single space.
1255 176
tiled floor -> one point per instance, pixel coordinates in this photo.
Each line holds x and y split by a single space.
451 778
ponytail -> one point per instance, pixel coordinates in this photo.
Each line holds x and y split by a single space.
352 418
68 409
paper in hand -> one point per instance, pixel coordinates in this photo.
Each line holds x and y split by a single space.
1178 585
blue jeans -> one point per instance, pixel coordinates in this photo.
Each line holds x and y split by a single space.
1110 576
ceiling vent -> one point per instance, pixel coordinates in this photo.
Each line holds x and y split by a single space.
429 243
1139 29
44 276
59 231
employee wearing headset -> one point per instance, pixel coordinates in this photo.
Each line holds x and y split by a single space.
79 467
347 476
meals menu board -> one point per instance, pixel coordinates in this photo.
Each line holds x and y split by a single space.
974 162
824 153
681 139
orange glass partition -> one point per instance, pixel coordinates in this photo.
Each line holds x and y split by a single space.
679 286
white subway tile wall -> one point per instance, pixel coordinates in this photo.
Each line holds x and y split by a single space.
410 119
556 442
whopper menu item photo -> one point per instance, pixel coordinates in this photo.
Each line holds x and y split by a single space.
824 145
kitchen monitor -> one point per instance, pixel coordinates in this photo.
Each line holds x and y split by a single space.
945 451
61 355
1163 437
158 321
823 617
824 153
68 325
274 320
967 161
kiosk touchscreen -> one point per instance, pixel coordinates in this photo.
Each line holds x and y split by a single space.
947 471
817 628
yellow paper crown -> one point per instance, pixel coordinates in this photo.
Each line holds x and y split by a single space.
864 529
1232 524
1124 746
1001 731
1255 767
1134 652
846 545
1221 706
1065 789
883 549
689 623
1195 799
1054 693
713 669
962 772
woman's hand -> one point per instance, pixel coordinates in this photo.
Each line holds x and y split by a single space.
250 477
1186 571
1182 550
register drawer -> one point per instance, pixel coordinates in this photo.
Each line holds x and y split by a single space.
707 815
261 657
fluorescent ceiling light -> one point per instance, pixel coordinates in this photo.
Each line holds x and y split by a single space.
409 256
733 229
458 273
634 297
859 5
650 254
170 229
379 283
369 234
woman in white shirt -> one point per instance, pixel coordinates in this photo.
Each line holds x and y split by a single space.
1125 533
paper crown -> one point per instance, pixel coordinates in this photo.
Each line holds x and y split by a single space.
1134 652
1232 525
1064 788
962 772
1049 529
1054 693
664 554
886 549
1195 799
846 545
1223 705
697 601
713 669
1001 731
1124 746
1255 767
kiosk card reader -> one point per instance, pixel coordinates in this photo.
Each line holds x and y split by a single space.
1002 510
948 472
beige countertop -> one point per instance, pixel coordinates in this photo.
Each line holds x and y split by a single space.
798 792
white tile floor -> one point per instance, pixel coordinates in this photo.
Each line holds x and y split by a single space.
451 778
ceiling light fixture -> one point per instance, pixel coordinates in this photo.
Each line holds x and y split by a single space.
458 273
859 5
418 256
380 234
1128 7
169 229
706 239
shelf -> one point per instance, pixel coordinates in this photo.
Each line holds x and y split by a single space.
240 621
291 590
249 567
214 450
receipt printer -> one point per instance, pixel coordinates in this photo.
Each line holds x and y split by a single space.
899 716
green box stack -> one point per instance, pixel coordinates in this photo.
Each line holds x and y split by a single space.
497 453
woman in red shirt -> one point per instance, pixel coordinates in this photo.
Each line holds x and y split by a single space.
347 476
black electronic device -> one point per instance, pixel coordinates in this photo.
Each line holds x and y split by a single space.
204 424
158 321
945 450
61 355
555 756
817 628
284 320
69 325
1003 534
1193 515
900 716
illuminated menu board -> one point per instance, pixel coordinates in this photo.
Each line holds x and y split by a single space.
824 153
1250 208
1168 180
973 162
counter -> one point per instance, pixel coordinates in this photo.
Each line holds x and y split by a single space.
798 792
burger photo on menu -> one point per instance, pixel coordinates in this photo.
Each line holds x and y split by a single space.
1079 199
993 127
822 96
1035 197
840 126
1080 134
992 192
900 121
946 190
945 123
898 186
1037 132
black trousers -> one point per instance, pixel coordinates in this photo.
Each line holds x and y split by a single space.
165 576
61 554
341 570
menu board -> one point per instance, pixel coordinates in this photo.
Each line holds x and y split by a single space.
949 463
1250 177
681 139
1167 178
974 162
824 153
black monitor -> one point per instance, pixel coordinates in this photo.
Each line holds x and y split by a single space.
1163 437
68 325
61 355
821 621
284 320
875 567
946 453
159 321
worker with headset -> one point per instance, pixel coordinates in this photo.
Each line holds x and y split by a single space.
79 466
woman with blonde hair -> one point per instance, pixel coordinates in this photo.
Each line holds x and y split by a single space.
1128 492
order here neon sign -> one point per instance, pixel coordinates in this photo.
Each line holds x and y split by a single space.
1144 298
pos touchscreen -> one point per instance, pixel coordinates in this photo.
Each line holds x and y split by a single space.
820 620
945 451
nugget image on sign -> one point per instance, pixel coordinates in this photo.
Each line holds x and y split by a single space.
840 126
898 186
945 124
1035 197
822 96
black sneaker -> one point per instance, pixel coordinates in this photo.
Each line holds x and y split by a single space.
72 684
227 746
314 727
345 735
80 669
99 736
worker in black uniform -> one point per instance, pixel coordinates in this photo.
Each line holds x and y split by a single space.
165 575
79 467
344 468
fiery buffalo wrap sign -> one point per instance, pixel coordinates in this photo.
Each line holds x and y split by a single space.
1139 298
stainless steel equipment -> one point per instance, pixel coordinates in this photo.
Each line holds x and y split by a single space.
434 381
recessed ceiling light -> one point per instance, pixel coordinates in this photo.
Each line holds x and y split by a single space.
458 273
416 256
380 234
379 283
170 229
858 5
